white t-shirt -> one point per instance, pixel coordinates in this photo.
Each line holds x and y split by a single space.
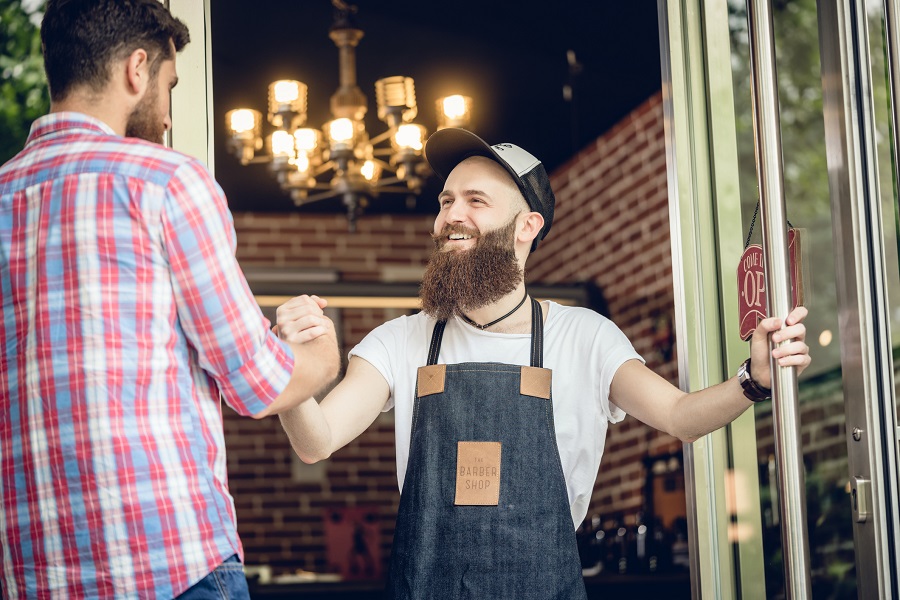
582 348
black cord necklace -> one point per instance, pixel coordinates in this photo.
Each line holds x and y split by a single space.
495 321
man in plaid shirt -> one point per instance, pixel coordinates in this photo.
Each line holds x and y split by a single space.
125 317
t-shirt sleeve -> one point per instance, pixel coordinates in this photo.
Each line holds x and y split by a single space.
385 348
614 349
216 308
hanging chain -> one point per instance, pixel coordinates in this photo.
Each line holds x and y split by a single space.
753 224
343 6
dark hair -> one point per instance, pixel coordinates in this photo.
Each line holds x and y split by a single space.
82 38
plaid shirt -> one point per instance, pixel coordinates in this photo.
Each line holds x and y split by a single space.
125 314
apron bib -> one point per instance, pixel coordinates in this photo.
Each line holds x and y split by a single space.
484 511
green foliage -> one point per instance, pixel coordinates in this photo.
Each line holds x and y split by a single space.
23 85
800 104
807 195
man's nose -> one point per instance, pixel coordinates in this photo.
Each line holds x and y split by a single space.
456 213
167 123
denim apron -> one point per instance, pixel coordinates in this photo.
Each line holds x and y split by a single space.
484 512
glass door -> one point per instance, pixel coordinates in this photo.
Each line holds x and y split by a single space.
824 448
859 123
834 88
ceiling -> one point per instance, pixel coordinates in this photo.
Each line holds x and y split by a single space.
510 57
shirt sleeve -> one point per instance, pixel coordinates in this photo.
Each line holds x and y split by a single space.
614 349
385 348
216 308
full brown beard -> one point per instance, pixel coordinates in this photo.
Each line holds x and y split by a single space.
460 281
144 121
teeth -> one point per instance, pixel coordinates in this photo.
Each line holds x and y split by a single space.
459 236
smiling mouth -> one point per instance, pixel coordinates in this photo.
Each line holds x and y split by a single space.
455 242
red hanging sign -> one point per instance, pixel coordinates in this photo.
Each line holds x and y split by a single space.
752 297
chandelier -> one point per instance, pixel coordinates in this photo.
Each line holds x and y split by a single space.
341 160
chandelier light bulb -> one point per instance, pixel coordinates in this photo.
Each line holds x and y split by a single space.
282 144
243 120
341 130
410 136
301 162
396 99
287 103
285 91
454 111
370 170
454 106
306 140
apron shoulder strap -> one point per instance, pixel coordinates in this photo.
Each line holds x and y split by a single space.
537 334
436 338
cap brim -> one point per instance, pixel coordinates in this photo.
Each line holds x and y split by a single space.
447 148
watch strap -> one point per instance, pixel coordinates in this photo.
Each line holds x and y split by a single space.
753 391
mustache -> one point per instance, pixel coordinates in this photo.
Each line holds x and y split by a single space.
440 237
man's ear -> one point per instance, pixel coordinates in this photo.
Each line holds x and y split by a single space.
531 224
137 72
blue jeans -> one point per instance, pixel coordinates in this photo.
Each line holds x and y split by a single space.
226 582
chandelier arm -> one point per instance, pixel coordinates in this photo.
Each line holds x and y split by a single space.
323 168
393 189
384 135
322 196
317 186
288 186
382 152
384 165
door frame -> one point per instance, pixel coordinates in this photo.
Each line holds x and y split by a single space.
706 234
866 346
192 100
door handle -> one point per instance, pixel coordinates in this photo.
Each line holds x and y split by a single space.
860 492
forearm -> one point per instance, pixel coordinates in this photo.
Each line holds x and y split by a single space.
318 429
308 431
652 400
655 401
316 364
699 413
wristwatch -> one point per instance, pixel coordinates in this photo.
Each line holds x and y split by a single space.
752 390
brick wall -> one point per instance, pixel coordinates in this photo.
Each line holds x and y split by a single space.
611 229
382 245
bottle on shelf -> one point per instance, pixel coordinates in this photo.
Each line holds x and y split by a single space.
641 537
659 554
591 540
622 542
611 549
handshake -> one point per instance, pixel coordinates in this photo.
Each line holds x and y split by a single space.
301 322
302 319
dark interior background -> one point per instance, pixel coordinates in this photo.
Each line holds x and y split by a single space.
510 57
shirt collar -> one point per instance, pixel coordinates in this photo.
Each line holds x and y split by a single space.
57 124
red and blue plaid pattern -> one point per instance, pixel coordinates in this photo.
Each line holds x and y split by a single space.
124 316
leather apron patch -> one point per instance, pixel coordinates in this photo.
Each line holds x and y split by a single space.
535 381
430 380
477 474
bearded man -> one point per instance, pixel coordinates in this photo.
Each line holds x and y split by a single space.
502 403
126 320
